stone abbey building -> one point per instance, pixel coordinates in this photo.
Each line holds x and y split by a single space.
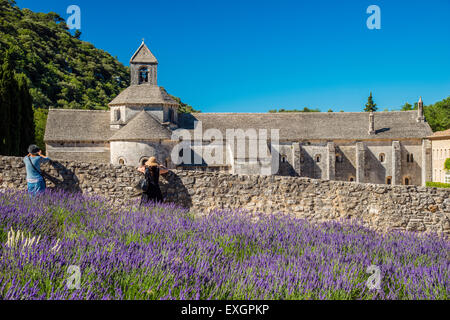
380 147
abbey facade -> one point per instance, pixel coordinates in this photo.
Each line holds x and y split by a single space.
380 147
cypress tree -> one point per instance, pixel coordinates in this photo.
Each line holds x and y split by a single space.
7 90
16 111
370 106
27 129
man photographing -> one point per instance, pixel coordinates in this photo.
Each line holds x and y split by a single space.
33 161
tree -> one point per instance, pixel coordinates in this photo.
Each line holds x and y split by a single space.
77 34
330 110
407 107
447 164
27 127
16 111
40 119
8 87
370 106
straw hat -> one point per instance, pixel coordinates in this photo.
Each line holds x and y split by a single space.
152 162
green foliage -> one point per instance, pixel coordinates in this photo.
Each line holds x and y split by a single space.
407 107
16 112
40 119
305 109
437 115
447 164
438 184
62 71
370 105
184 108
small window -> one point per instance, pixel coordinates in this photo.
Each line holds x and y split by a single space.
121 161
447 177
407 181
351 179
171 117
302 159
143 161
318 157
382 157
117 115
389 180
339 158
410 158
283 158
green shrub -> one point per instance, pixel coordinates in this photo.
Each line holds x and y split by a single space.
447 164
438 184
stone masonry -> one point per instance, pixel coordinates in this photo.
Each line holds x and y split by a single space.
381 207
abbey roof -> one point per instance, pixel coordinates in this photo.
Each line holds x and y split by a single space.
142 127
77 125
296 126
143 55
84 125
144 94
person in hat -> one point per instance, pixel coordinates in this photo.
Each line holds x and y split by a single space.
33 161
151 170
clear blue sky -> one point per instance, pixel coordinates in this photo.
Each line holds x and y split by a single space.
256 55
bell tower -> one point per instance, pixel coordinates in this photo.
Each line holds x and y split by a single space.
144 67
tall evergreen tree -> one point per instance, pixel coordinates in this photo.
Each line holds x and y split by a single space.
370 106
7 89
16 110
27 127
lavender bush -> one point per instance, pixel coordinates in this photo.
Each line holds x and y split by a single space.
165 252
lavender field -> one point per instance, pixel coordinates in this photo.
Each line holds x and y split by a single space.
165 252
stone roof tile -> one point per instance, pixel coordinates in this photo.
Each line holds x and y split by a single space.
296 126
144 94
77 125
142 127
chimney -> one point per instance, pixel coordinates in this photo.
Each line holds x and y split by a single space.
371 123
420 116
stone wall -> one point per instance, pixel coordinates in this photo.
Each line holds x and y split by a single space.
381 207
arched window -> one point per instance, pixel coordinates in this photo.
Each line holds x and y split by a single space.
143 161
302 159
318 157
121 161
351 179
143 75
388 180
406 181
410 158
382 157
339 158
283 158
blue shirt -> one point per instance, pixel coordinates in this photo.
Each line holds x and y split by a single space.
34 176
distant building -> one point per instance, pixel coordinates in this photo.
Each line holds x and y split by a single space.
440 144
382 147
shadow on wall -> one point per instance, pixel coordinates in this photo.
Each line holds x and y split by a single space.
60 177
174 190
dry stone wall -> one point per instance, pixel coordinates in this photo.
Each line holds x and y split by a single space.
381 207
